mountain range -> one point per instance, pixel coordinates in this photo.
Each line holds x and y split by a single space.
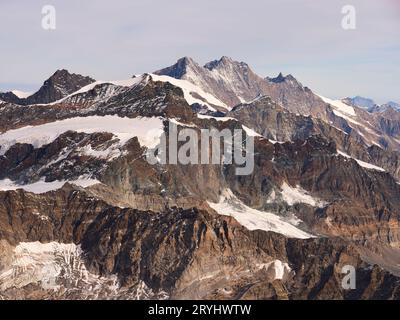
83 215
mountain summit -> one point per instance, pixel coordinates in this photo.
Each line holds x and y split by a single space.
230 81
59 85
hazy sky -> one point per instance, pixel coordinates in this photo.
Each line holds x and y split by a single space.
116 39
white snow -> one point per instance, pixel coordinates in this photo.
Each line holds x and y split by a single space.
279 268
42 187
342 110
148 130
342 115
242 100
360 162
41 216
295 195
251 132
203 116
178 123
187 88
252 219
340 106
275 142
110 153
21 94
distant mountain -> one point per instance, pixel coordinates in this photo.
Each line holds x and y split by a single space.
9 97
390 104
361 102
59 85
21 94
370 105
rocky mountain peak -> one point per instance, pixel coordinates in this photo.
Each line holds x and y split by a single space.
61 84
289 79
58 86
225 63
61 73
65 82
278 79
180 68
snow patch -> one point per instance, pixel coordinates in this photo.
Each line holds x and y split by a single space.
109 154
342 110
203 116
252 219
147 130
188 88
279 268
42 186
40 216
178 123
298 195
340 106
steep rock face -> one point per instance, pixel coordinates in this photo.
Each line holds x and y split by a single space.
8 97
292 95
272 121
174 251
59 85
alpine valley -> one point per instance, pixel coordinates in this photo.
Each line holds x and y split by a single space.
83 215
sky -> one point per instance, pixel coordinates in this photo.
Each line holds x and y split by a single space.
111 40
